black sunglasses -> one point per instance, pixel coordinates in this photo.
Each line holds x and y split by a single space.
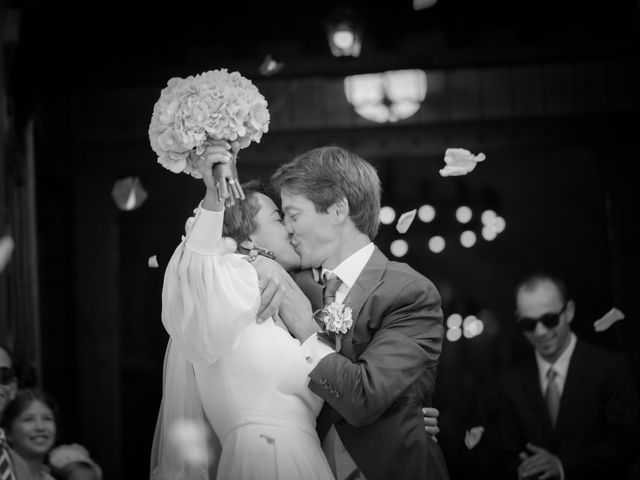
549 320
7 375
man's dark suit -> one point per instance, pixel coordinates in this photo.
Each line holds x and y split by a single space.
385 373
595 433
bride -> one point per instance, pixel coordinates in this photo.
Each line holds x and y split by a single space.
245 380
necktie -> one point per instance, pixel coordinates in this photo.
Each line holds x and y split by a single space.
331 284
5 460
552 395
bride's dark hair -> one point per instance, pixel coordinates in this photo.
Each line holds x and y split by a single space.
239 219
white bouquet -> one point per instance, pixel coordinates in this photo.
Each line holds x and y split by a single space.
194 112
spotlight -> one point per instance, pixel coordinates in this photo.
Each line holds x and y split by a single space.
344 35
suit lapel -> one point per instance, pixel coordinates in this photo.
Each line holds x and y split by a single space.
367 282
576 375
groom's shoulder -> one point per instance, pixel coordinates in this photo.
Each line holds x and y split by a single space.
401 273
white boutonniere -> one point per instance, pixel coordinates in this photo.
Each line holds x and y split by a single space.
336 320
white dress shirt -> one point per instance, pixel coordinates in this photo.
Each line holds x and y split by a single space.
561 366
348 271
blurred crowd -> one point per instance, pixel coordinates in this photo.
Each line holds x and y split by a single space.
29 427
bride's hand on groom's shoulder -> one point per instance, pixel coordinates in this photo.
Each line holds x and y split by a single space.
296 312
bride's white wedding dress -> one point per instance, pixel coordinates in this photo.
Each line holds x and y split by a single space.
249 379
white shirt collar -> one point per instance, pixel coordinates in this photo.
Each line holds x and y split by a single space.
351 267
561 365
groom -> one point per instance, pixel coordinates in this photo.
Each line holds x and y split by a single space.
385 369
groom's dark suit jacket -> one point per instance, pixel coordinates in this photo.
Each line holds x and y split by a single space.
596 431
386 370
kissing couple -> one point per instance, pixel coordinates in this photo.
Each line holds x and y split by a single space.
313 365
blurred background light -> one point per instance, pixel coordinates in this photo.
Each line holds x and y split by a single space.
468 239
472 326
387 215
488 233
487 216
426 213
463 214
454 320
498 224
399 248
436 244
454 334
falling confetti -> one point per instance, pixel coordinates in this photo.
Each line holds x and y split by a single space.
153 261
459 162
422 4
608 319
128 193
270 67
190 442
405 221
473 436
6 249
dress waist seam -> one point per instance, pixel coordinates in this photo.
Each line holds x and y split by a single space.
271 420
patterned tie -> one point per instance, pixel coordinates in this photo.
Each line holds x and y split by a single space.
5 461
552 395
331 284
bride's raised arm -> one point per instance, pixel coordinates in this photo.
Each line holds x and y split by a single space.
209 295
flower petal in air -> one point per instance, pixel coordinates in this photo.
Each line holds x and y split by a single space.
608 319
473 436
460 161
405 221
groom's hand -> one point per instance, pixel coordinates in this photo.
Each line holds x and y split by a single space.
271 280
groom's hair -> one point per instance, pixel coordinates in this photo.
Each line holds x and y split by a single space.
328 174
239 219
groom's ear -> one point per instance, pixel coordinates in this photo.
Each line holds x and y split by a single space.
340 208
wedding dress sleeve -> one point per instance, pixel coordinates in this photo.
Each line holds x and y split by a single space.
208 297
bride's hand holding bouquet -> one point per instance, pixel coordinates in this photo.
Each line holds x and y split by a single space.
217 168
199 115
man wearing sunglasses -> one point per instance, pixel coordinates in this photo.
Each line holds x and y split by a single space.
12 467
571 410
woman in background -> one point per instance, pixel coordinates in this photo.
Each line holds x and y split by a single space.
29 422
